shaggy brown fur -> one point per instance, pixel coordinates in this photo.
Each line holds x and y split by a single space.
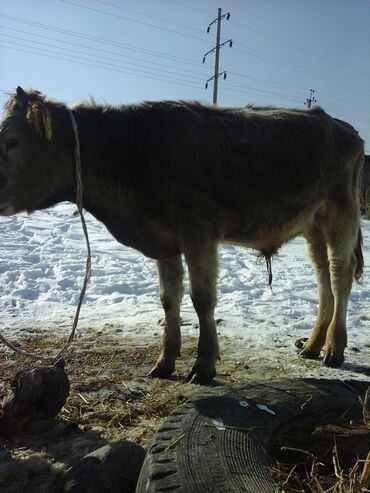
173 178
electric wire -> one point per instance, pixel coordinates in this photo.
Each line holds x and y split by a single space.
236 87
301 69
274 38
98 39
95 56
111 14
81 61
159 19
258 54
101 50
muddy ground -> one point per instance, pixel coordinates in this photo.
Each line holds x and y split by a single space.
112 398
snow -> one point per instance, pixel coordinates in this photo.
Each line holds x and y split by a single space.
42 265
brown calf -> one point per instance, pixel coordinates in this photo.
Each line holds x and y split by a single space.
178 178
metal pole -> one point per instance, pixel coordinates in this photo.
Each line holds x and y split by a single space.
311 99
217 57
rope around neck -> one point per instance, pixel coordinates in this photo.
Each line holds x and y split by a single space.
79 193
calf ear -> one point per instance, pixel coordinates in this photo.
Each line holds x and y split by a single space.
37 112
22 95
39 116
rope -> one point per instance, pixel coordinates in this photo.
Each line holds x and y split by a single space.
79 193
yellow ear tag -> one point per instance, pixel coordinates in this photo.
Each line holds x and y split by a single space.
47 125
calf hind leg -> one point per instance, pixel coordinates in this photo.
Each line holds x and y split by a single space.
317 250
170 272
343 262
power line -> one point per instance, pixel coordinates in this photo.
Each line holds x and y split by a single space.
75 58
156 64
100 11
148 72
271 86
160 19
138 50
188 7
342 101
249 100
118 64
346 113
247 89
190 82
261 55
286 43
79 36
75 54
302 70
81 61
135 48
98 39
278 83
109 59
304 50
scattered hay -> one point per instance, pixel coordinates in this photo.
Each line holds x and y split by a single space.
111 398
337 459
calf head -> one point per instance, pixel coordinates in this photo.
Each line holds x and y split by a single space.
36 149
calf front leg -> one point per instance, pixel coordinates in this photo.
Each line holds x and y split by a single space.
202 267
170 272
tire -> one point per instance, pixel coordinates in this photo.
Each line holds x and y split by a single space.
219 441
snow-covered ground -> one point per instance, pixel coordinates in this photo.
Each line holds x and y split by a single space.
42 262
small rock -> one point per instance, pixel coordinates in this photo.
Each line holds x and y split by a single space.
113 468
36 396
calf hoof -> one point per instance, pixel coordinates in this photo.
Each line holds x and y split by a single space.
299 343
308 353
161 371
201 376
305 352
332 361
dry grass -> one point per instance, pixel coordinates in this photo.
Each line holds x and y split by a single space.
109 387
111 398
331 472
311 480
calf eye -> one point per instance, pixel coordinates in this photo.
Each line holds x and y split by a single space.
11 144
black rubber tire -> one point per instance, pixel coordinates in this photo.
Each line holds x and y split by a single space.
219 441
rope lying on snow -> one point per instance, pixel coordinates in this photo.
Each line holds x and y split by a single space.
79 193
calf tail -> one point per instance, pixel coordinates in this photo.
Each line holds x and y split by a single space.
359 257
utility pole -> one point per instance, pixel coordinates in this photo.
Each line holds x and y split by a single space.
216 49
217 57
311 99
